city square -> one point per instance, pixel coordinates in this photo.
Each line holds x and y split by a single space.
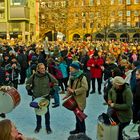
69 68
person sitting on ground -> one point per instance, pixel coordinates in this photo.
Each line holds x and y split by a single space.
8 131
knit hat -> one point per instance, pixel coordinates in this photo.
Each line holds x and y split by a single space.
75 65
118 80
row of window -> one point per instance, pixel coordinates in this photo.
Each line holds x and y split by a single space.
98 2
91 25
53 4
91 15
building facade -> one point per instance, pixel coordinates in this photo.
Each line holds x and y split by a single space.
97 19
17 19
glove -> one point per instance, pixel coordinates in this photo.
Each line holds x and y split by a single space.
30 93
96 66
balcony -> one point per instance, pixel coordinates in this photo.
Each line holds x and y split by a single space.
19 13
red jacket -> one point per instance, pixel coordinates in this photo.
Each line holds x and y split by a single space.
95 67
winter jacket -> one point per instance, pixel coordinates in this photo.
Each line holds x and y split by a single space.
40 84
80 87
64 69
136 94
12 73
2 75
96 71
108 70
123 110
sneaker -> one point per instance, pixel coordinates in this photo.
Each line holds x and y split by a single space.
54 106
37 129
48 130
100 92
2 115
74 132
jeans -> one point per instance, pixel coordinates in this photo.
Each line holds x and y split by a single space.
56 95
47 120
80 126
99 81
121 127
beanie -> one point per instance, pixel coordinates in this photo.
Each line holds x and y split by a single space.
75 65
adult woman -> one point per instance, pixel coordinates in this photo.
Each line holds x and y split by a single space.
8 131
78 87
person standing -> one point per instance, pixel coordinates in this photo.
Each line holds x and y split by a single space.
12 71
95 65
23 61
2 81
136 98
78 87
120 102
38 85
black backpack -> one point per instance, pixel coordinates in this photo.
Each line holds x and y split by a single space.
107 87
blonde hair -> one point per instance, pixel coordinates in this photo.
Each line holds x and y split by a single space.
5 130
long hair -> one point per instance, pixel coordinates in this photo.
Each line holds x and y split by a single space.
5 130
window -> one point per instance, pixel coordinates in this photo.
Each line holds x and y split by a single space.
112 14
98 2
49 4
83 14
128 2
112 2
19 2
2 4
91 15
91 2
75 15
56 4
83 25
76 3
91 25
63 3
137 24
136 1
128 24
136 13
120 2
83 2
1 15
112 25
128 13
120 13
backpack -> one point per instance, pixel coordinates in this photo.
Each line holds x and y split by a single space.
106 88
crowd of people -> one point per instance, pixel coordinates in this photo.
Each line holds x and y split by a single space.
51 68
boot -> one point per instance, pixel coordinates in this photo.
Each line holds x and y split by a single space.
74 132
37 129
2 115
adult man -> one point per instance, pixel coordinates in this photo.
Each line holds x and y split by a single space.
38 85
78 87
120 101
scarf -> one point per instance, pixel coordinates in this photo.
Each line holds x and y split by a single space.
74 75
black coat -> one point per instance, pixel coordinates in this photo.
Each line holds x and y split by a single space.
136 94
